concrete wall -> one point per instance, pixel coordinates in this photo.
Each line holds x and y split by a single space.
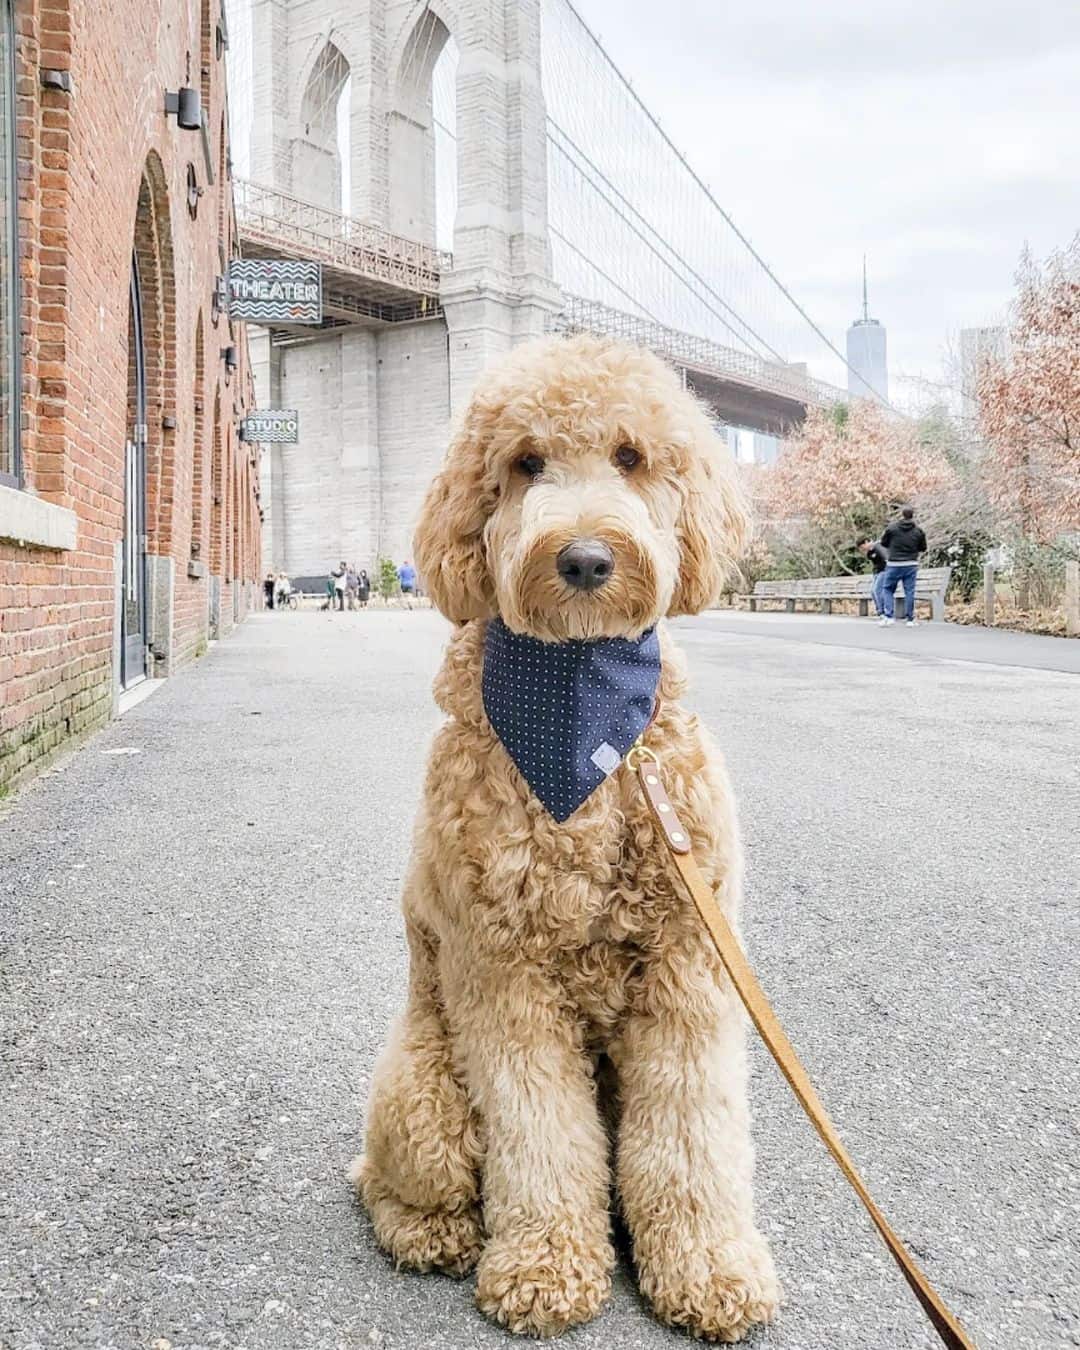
324 499
374 416
359 483
311 469
414 425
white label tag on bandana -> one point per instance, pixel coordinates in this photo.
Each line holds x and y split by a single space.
606 758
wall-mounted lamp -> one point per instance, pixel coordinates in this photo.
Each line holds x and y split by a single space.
186 106
56 79
232 360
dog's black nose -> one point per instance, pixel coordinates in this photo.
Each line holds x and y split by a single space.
585 564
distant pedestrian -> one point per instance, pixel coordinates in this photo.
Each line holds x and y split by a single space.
878 561
352 586
339 575
363 591
407 578
903 542
283 590
268 590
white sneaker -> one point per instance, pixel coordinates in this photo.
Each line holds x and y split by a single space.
884 623
911 623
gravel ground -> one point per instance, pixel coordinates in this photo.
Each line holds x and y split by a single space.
202 949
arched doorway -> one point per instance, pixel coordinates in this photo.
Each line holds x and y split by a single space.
134 611
150 487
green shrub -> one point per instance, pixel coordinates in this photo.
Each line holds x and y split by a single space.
388 584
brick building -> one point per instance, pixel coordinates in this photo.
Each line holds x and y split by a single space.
129 506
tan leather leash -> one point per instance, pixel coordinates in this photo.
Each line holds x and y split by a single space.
647 766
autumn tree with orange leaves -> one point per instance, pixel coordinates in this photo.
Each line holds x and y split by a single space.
846 471
1029 403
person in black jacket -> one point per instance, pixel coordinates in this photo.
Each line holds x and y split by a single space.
903 542
878 560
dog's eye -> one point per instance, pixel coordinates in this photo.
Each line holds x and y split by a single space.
626 457
532 466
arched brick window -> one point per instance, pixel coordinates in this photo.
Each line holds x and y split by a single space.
206 52
217 488
237 513
9 256
154 253
199 474
224 194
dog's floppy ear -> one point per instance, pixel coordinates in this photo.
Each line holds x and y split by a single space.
449 539
713 526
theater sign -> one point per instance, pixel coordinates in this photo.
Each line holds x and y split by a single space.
266 291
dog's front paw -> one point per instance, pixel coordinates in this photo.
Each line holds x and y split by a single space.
538 1284
420 1239
438 1239
719 1294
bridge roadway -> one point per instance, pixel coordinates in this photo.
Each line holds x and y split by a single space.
203 949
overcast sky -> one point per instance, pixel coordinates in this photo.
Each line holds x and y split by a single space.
936 136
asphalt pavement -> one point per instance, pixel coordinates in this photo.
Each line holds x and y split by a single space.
201 951
940 641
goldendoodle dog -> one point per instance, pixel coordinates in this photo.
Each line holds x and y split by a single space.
567 1017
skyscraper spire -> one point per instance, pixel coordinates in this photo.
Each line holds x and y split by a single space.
865 305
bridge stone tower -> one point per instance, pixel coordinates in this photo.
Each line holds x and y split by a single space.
376 392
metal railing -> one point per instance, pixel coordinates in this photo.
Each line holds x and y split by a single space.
285 223
696 353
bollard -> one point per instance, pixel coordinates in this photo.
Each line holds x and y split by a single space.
988 594
1072 599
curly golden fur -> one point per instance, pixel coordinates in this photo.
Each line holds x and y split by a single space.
539 951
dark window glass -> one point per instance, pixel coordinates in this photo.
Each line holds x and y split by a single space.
9 311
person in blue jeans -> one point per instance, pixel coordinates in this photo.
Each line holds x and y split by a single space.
903 542
878 560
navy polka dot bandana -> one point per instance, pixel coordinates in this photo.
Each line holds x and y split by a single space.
567 712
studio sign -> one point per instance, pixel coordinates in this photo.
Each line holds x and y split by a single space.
264 291
264 427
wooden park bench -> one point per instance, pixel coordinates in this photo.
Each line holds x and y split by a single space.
931 586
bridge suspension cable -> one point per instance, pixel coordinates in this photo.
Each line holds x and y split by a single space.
703 260
658 246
